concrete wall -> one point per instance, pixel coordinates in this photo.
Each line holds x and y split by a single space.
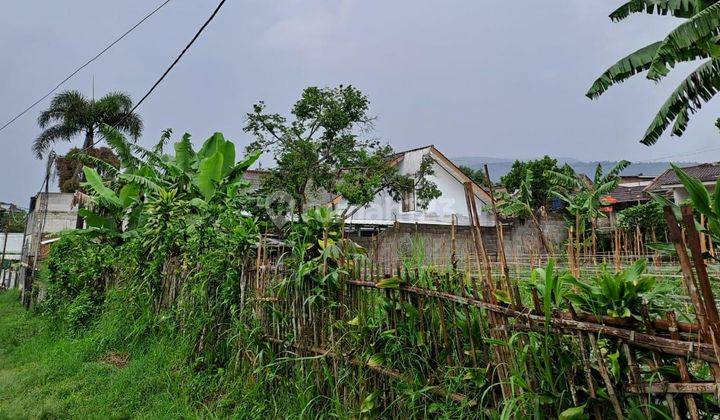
433 243
61 216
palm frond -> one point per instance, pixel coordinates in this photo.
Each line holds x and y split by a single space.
51 135
70 106
699 87
677 8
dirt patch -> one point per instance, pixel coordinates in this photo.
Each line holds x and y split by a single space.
119 360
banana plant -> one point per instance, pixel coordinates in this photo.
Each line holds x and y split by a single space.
694 38
518 204
200 178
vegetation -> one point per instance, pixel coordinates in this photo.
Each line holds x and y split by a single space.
647 216
69 168
541 182
71 114
695 38
476 175
519 204
323 151
14 222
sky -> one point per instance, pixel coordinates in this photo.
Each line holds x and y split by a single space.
473 77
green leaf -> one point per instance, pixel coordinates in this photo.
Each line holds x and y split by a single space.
698 87
209 174
228 151
211 146
128 194
684 38
625 68
389 283
574 413
677 8
503 296
375 360
184 153
94 220
370 402
96 183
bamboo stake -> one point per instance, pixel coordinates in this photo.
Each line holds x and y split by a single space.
606 377
683 368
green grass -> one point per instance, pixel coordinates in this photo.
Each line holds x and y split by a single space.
46 372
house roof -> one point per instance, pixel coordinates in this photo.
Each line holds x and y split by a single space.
324 197
706 172
623 194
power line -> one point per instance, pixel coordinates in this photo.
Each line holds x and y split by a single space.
155 85
167 71
713 149
87 63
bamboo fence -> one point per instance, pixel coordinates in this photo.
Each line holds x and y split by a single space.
454 321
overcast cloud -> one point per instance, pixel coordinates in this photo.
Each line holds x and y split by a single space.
474 77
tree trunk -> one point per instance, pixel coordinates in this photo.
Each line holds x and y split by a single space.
89 140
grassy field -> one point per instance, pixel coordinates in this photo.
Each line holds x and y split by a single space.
48 373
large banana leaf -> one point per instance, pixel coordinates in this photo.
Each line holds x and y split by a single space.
700 86
228 151
106 195
210 146
677 8
209 174
698 30
625 68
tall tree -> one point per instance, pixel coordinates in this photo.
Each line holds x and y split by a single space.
71 114
324 149
696 38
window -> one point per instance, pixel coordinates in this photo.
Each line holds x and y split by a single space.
408 201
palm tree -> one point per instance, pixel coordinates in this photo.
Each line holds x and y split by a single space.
694 39
71 114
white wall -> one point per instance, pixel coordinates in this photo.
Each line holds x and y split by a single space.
14 245
680 194
440 210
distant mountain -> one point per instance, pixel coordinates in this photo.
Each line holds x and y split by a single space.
498 167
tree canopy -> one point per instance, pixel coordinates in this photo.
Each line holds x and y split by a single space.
325 148
540 181
476 175
71 114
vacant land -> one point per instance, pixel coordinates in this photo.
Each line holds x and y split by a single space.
47 373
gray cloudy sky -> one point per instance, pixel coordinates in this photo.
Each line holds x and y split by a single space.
474 77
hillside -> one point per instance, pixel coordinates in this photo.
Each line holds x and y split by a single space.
500 166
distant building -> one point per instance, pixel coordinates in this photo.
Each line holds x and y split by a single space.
49 214
670 184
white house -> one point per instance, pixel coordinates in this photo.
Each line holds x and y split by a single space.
384 211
